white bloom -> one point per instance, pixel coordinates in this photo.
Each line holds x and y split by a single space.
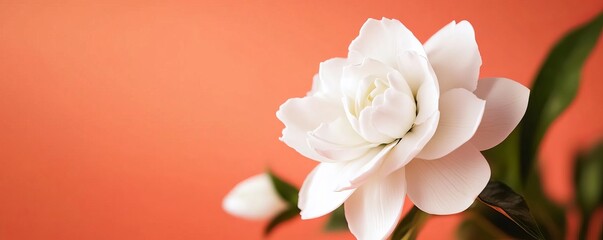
399 118
254 198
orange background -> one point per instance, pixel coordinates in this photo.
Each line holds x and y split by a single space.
131 120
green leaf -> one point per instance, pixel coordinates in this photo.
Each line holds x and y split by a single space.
504 200
285 190
588 179
489 220
410 225
504 161
555 87
547 213
282 217
473 229
337 221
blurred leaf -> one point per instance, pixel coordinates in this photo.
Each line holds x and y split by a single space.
589 179
549 215
553 90
282 217
470 230
504 200
285 190
474 229
555 87
337 221
410 225
494 223
504 161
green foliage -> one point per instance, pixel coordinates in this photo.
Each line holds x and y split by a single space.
282 217
588 181
287 192
512 161
504 161
477 229
549 215
555 88
504 200
337 221
410 225
484 222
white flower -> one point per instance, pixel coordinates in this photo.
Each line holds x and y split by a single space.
399 118
254 198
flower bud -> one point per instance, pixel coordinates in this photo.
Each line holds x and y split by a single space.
254 198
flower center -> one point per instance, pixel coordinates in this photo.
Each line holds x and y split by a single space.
378 87
379 102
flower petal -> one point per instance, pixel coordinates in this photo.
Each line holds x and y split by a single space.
460 114
414 69
327 82
428 96
356 83
396 115
370 164
410 145
506 103
375 208
421 79
384 39
357 78
302 115
338 141
454 56
400 154
367 129
450 184
317 195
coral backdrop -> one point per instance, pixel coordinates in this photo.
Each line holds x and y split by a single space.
132 119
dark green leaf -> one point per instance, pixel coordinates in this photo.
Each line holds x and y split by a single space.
492 221
285 190
504 200
589 179
410 225
337 221
555 87
281 218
